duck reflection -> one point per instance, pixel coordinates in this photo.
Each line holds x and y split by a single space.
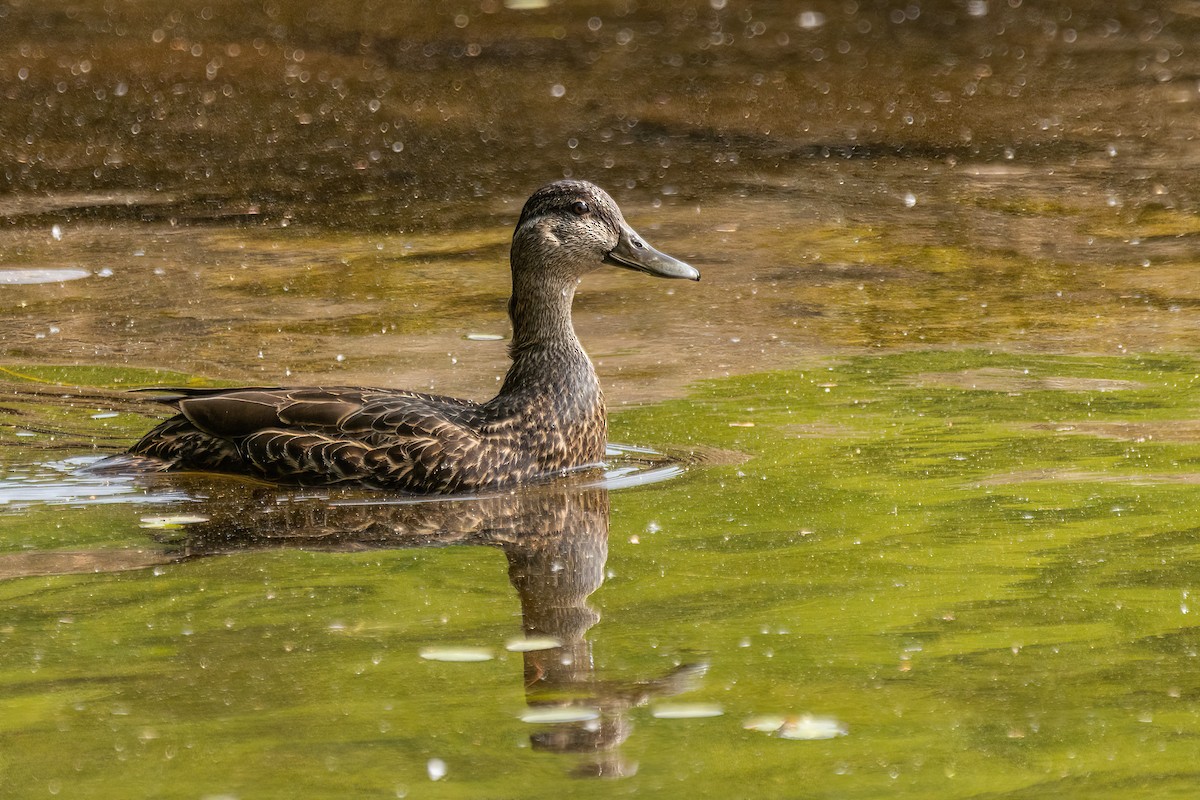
555 540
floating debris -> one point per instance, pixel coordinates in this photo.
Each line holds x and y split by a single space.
29 277
559 715
172 522
803 727
532 643
485 337
687 711
456 654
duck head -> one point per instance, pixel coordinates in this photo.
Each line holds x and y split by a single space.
571 227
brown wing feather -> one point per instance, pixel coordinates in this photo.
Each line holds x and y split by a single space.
319 436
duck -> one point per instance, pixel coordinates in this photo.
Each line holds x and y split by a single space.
548 419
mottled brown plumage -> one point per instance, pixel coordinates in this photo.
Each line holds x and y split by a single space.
548 418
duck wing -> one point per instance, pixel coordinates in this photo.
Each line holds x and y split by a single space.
403 440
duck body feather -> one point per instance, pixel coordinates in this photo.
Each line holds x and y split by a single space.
382 438
548 418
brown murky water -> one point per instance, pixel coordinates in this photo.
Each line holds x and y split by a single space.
270 189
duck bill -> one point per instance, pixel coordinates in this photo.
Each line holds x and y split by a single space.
632 252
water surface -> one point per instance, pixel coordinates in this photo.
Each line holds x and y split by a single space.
934 400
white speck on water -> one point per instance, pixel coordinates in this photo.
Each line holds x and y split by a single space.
29 277
340 358
456 654
910 200
171 522
558 90
485 337
804 727
977 8
687 711
559 715
808 20
104 273
531 644
56 233
436 768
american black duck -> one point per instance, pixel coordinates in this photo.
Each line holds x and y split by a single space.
548 418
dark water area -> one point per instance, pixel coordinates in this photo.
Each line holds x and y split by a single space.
857 174
354 113
924 526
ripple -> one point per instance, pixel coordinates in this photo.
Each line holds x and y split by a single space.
72 481
68 482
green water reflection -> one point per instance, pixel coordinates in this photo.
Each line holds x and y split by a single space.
982 566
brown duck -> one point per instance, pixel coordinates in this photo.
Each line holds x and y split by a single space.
548 418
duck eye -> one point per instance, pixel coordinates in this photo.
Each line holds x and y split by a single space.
580 208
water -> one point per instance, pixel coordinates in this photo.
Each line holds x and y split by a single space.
933 533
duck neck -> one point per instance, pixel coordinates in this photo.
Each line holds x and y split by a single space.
545 351
541 315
